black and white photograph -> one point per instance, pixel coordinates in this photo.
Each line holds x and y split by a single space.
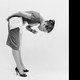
34 40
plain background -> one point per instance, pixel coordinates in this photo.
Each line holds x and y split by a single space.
45 55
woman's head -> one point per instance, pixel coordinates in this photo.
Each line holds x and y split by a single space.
47 26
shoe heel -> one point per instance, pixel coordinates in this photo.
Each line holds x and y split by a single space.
16 73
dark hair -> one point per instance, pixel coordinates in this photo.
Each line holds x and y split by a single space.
50 25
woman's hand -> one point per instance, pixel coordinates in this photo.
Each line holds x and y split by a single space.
34 31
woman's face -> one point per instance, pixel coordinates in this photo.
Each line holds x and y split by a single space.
42 26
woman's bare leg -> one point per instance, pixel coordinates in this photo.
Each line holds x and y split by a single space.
21 62
16 55
20 35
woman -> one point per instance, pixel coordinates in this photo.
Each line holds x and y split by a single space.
16 22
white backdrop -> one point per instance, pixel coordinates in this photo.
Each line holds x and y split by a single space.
45 55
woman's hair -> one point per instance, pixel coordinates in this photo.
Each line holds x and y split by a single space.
50 25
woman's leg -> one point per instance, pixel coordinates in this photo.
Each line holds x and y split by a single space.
21 62
20 52
16 55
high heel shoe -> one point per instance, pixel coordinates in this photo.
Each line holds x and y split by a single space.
25 70
17 71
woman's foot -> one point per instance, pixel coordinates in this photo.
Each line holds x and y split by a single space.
25 70
20 68
21 72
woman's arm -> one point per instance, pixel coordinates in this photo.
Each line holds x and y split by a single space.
31 30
